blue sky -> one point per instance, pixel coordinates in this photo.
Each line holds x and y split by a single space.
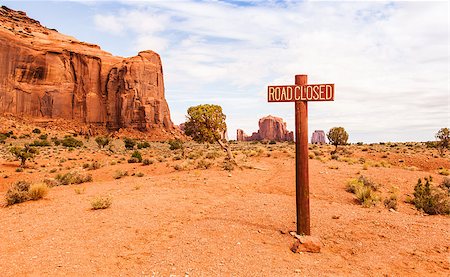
389 61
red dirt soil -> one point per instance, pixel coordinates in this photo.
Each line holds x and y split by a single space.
210 223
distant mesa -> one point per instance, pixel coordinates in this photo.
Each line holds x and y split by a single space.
47 75
318 137
270 128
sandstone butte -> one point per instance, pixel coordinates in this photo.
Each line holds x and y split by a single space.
47 75
270 128
318 137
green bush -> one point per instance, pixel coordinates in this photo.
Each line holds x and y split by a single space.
430 199
144 144
23 154
43 136
136 154
70 141
36 131
40 143
102 141
175 144
129 143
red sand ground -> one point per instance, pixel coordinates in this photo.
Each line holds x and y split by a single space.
210 223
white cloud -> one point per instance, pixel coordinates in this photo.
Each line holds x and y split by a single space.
389 61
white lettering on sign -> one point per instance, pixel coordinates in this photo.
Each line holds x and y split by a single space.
324 92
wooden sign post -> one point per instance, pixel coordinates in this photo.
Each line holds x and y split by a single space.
301 93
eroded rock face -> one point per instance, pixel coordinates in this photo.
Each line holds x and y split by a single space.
270 128
318 137
49 75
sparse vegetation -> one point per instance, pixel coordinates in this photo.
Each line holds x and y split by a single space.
119 174
37 191
101 202
147 161
129 143
432 200
391 202
36 131
102 141
72 142
175 144
17 193
364 190
72 178
142 145
23 154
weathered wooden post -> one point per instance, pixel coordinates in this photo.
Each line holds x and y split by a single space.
301 93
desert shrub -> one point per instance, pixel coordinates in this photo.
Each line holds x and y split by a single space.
119 174
92 166
445 185
443 171
139 174
101 202
36 131
142 145
3 137
391 202
228 165
79 190
129 143
364 190
204 164
272 142
133 160
72 178
366 196
70 141
37 191
17 193
24 154
147 161
212 155
102 141
334 156
179 167
175 144
43 136
19 169
430 199
136 154
40 143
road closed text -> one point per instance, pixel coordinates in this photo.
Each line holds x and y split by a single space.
301 93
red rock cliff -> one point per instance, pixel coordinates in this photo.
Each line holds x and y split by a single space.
270 128
47 74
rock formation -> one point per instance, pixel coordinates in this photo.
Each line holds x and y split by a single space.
45 74
318 137
270 128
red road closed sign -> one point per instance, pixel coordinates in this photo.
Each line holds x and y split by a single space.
324 92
